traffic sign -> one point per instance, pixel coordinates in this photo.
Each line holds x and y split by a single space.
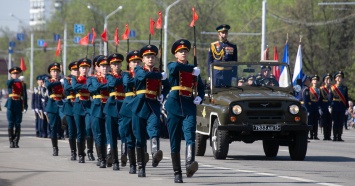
12 44
40 42
79 28
77 39
132 34
11 51
20 36
56 37
90 37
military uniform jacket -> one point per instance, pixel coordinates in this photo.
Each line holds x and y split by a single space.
36 100
82 101
141 105
95 87
70 96
114 102
128 83
311 99
177 103
338 98
222 51
323 100
55 93
43 97
17 100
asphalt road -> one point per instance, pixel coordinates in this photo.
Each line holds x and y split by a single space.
327 163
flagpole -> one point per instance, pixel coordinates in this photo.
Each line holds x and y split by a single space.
150 35
127 53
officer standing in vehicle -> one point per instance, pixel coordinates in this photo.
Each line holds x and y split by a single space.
326 117
311 98
16 105
221 51
181 107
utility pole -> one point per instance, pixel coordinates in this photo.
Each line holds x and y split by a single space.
263 30
65 50
31 61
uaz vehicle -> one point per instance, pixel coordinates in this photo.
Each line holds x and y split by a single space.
264 110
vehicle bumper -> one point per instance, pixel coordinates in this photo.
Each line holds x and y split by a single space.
233 127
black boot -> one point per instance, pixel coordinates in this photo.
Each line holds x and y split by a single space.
123 154
115 164
98 153
340 132
109 158
175 158
191 164
140 161
132 161
72 145
335 134
157 154
17 137
103 156
90 147
55 146
81 151
11 137
146 155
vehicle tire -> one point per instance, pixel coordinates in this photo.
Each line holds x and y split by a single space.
220 143
200 144
271 147
298 146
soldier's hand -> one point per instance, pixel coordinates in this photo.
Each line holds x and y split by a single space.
163 74
320 111
24 111
330 109
160 98
196 71
21 78
36 110
62 81
197 100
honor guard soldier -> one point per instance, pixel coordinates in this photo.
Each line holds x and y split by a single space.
326 117
16 105
68 107
112 107
128 139
99 89
36 105
55 90
146 107
338 98
181 107
305 86
44 99
311 97
221 51
81 107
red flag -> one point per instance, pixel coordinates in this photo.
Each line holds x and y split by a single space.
93 36
104 35
159 21
151 28
117 40
266 53
276 69
84 40
57 52
126 33
194 17
22 64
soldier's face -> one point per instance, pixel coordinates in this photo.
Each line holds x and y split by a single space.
104 69
83 71
54 73
15 75
223 35
149 60
339 79
39 82
115 66
314 82
181 55
134 63
74 72
327 81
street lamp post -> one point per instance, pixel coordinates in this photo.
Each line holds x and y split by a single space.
105 22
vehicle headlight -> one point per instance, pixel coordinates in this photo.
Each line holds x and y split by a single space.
237 109
294 109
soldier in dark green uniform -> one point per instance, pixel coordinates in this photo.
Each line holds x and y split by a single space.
181 107
16 105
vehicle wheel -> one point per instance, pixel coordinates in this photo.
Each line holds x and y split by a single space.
271 147
200 144
220 143
298 147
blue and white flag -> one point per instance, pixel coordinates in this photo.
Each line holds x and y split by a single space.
283 80
297 73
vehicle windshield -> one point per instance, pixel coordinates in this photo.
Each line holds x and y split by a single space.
256 74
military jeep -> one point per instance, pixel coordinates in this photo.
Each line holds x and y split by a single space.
261 108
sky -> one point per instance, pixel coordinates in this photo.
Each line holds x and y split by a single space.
20 9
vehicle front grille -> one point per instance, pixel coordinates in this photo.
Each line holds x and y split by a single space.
264 115
264 104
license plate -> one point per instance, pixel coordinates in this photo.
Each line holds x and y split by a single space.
266 127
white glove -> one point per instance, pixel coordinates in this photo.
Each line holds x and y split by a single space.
196 71
36 110
163 74
21 78
160 98
197 100
62 81
42 99
330 109
24 111
307 113
346 112
163 105
320 111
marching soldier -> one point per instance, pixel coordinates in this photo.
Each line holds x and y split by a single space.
44 99
146 107
311 102
16 105
98 87
181 108
338 98
81 107
68 107
125 121
55 91
325 118
221 51
112 107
